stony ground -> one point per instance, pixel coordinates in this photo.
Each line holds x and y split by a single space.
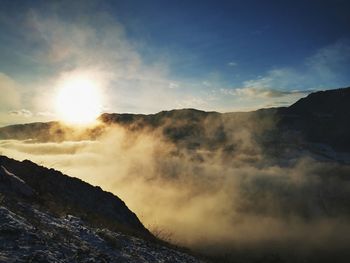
43 237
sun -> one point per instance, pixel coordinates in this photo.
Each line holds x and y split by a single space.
78 100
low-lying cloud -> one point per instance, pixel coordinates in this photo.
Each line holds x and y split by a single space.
206 199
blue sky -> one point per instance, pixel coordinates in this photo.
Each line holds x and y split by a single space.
158 55
257 35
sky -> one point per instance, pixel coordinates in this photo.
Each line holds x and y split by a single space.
147 56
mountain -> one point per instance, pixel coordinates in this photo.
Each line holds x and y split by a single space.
46 216
321 117
58 191
48 131
286 165
317 123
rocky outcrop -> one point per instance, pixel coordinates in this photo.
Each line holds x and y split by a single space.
46 216
40 236
62 194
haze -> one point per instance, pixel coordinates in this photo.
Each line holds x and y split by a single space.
254 182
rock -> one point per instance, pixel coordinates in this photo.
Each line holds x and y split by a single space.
14 183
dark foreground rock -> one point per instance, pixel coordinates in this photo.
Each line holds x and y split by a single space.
46 216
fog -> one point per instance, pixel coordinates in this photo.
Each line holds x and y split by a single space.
205 199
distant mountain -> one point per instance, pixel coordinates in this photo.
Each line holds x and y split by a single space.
329 102
46 216
320 118
48 131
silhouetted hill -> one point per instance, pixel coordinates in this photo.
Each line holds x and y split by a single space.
327 102
63 194
320 118
46 216
48 131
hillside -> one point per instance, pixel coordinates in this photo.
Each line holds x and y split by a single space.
46 216
321 117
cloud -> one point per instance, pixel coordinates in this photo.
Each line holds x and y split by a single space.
330 62
232 64
22 112
80 42
254 92
10 93
275 79
11 98
206 83
211 200
89 39
324 69
86 39
173 85
192 102
95 42
255 97
45 114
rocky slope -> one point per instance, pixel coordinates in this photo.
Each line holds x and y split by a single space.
46 216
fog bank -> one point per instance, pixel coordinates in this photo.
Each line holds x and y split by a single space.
208 200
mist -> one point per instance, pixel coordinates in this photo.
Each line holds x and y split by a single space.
207 199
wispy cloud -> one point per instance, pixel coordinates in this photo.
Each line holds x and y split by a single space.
22 112
262 92
330 62
323 70
45 114
93 42
173 85
192 102
232 64
96 43
275 79
10 96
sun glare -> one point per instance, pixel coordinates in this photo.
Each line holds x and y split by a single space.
78 101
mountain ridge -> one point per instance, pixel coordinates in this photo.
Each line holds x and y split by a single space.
309 119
